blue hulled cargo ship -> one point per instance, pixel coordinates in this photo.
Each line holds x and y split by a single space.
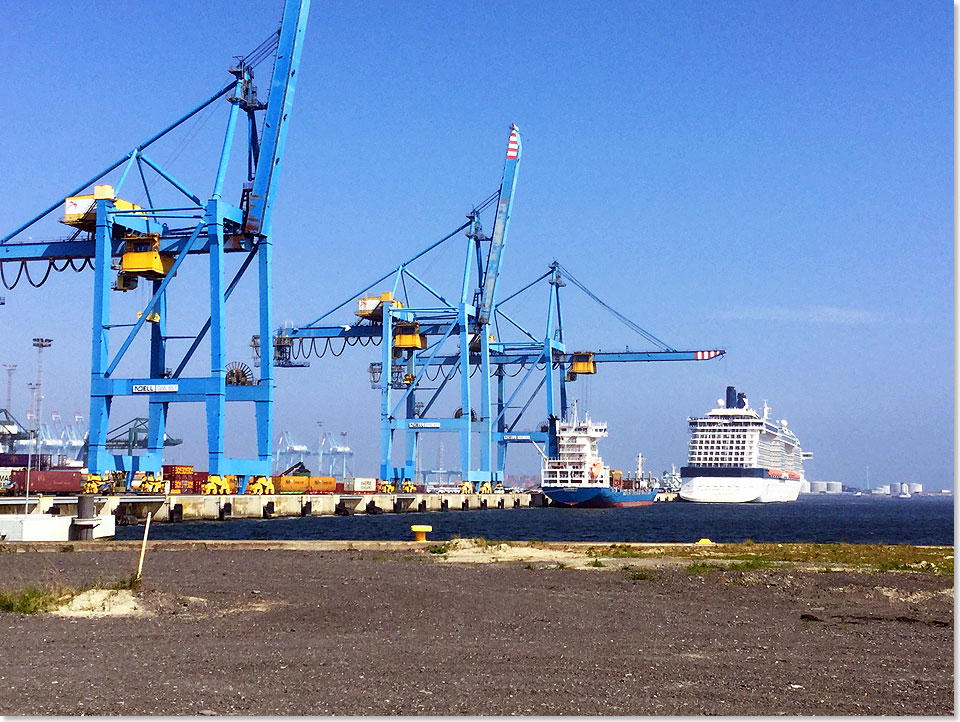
577 477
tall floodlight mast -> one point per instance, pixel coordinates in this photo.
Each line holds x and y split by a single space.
10 368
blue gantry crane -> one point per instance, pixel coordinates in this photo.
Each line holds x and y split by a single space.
151 242
424 347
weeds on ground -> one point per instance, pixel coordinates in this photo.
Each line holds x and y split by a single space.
596 563
747 565
703 568
44 598
634 574
439 548
528 565
867 557
132 582
31 600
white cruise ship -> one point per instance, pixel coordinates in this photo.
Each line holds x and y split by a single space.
738 455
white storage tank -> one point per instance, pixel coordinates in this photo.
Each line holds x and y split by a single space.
916 488
818 487
804 487
834 487
885 489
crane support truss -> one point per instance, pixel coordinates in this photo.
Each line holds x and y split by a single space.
211 227
423 349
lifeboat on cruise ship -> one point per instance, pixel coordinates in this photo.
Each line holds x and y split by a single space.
793 475
775 472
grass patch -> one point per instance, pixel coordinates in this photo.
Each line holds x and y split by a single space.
132 582
44 598
637 575
748 564
752 555
704 568
439 548
595 563
528 565
31 600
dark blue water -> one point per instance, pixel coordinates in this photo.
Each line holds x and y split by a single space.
825 519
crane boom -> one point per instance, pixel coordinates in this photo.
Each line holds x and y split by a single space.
276 119
499 238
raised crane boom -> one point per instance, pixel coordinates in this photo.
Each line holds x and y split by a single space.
276 120
504 206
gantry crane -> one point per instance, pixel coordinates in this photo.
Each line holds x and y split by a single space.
417 350
150 243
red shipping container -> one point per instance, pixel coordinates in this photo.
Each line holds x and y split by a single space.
57 482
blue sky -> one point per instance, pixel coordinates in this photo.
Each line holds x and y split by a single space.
774 179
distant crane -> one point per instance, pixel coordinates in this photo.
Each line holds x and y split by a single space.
425 346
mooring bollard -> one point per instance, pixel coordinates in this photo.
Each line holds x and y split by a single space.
86 518
420 531
306 509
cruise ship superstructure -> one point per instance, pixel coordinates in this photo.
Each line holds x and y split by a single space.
739 455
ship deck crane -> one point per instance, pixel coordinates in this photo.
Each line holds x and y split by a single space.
150 243
424 347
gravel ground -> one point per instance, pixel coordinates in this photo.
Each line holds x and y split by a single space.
377 631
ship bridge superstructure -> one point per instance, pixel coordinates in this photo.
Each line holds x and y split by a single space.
733 435
577 460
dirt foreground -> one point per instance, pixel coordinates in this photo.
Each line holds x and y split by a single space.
378 628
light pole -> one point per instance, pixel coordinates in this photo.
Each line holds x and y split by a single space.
40 344
10 368
343 452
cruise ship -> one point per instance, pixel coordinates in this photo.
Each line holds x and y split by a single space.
738 455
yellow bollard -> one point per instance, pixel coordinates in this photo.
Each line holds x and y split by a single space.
420 531
704 541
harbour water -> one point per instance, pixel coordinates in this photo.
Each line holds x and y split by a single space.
813 518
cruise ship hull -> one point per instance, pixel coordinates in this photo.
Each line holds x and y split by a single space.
597 497
737 489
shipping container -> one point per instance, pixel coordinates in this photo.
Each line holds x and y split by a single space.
322 484
291 484
360 485
57 482
37 461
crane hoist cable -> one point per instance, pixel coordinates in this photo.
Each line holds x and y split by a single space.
24 271
623 319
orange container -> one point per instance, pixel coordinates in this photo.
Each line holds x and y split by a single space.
322 484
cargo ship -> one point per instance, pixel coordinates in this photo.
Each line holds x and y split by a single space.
738 455
577 477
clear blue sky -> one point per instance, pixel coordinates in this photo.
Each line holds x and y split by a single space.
774 179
